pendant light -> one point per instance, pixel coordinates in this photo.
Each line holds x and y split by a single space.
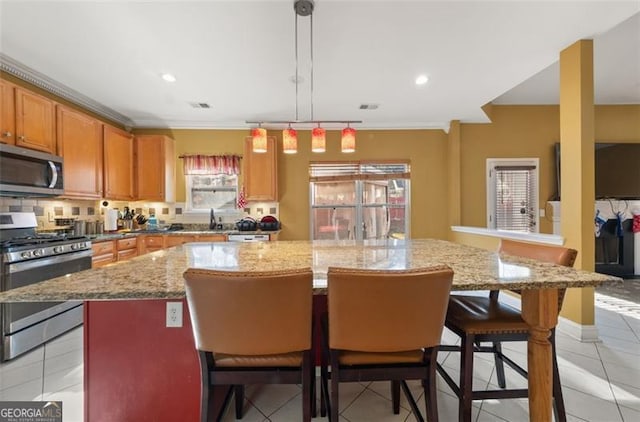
348 142
289 141
318 139
259 136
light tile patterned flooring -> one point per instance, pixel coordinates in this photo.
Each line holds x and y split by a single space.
601 381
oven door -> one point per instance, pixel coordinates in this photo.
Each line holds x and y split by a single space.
18 316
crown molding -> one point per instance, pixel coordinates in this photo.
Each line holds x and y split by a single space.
20 71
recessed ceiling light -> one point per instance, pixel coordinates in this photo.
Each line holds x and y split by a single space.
422 79
168 77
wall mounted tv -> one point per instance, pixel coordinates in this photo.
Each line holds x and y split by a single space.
617 168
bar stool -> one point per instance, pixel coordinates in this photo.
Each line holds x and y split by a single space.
376 331
485 319
252 328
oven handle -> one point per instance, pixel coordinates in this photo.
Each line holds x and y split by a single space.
54 174
35 263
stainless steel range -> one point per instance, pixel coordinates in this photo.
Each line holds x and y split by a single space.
27 258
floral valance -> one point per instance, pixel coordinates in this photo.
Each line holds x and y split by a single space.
211 164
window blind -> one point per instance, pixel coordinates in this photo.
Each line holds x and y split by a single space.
515 196
341 171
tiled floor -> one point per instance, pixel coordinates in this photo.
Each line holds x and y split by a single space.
601 381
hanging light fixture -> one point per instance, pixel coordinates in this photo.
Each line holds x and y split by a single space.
318 139
259 136
289 141
348 142
318 134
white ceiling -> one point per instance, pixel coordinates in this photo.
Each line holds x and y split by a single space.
239 57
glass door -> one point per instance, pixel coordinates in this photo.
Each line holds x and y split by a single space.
333 210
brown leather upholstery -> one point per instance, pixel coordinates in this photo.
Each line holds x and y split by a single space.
485 319
252 328
283 359
479 315
368 307
385 325
250 314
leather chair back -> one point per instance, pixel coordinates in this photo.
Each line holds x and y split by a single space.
387 310
258 313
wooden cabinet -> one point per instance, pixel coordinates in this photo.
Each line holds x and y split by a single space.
127 248
35 119
7 113
261 172
170 241
80 143
103 253
118 164
155 168
212 238
150 243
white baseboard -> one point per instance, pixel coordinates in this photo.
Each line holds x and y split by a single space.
580 332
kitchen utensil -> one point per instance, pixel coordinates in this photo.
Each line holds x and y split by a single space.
269 223
78 228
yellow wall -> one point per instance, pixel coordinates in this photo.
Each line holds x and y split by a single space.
528 131
426 150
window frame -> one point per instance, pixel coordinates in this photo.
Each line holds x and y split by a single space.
189 209
491 164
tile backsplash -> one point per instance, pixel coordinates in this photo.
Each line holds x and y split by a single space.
46 210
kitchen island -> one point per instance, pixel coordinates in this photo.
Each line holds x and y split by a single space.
137 369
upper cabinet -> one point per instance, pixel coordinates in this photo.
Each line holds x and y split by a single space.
260 171
35 117
118 164
80 143
155 168
7 113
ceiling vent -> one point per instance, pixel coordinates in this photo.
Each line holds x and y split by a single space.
200 105
369 106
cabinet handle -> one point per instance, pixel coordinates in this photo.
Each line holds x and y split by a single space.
7 134
21 137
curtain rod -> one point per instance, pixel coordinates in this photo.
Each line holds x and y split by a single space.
211 155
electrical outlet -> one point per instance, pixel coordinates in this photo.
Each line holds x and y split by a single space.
174 314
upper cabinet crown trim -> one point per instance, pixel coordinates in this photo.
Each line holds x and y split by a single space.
17 69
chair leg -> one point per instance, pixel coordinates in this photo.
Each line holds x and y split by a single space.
307 389
206 392
334 406
238 391
558 401
497 347
430 388
466 379
395 396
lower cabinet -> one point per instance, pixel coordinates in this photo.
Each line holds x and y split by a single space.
150 243
155 242
103 253
170 241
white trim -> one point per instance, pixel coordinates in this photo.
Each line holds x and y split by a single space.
580 332
550 239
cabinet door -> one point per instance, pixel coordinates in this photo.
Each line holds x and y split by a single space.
127 254
212 238
261 172
80 143
118 164
178 240
34 121
7 113
155 168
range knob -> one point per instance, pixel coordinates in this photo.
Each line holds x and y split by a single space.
74 246
26 254
38 252
58 249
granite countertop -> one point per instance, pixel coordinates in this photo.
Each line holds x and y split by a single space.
159 274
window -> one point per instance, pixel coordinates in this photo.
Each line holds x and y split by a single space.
211 181
512 194
352 200
206 191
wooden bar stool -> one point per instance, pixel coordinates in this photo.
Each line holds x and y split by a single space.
252 328
479 319
376 331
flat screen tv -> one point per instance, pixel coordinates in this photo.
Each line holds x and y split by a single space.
617 168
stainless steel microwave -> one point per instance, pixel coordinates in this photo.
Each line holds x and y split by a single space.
25 172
